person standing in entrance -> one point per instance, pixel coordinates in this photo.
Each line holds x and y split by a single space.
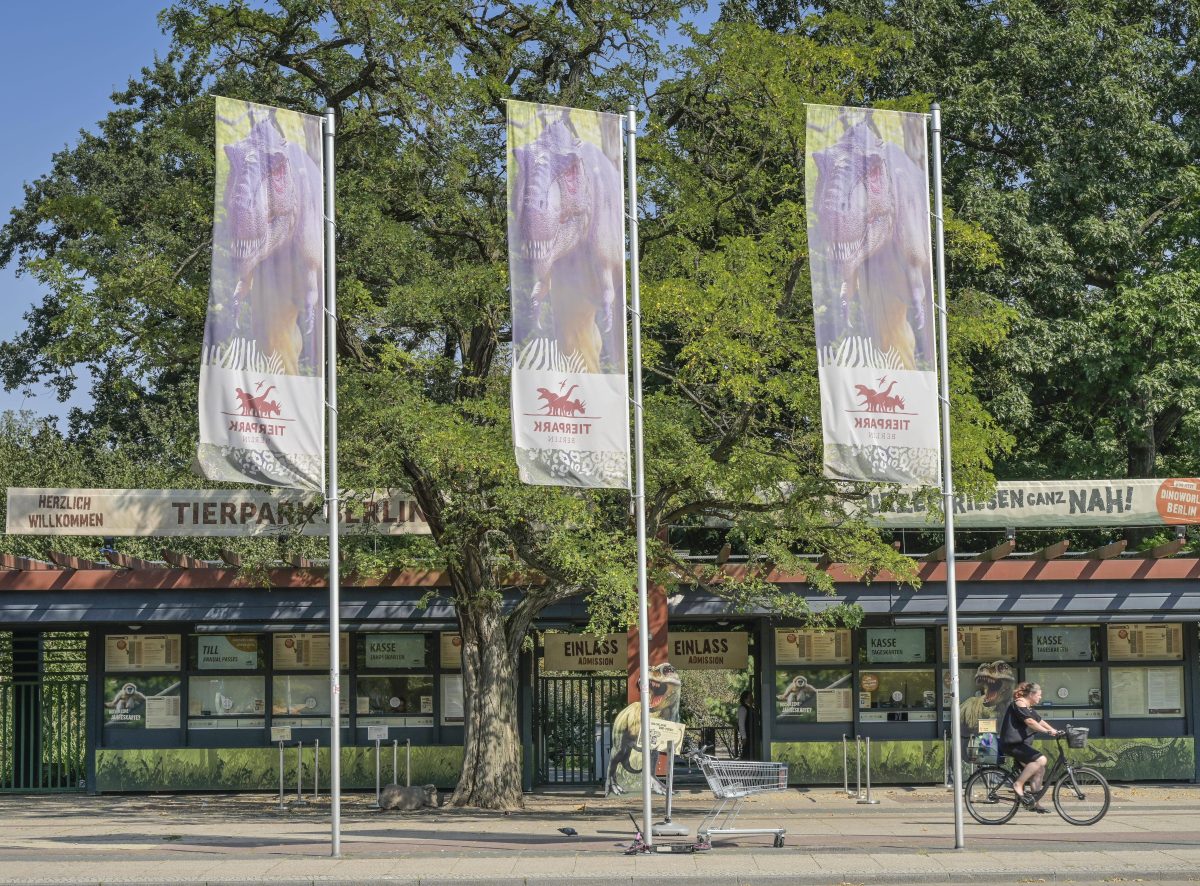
747 725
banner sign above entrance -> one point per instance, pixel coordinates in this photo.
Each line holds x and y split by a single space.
690 651
207 512
1053 503
585 652
708 651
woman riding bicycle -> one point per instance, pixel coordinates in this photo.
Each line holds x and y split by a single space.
1021 723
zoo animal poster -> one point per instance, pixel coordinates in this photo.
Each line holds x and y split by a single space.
566 261
262 384
142 702
869 238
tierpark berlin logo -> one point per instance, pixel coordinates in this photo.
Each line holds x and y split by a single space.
257 414
564 403
874 401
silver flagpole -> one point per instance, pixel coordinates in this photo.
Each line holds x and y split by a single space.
947 480
332 506
639 494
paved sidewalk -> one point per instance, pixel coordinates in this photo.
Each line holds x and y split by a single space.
1151 834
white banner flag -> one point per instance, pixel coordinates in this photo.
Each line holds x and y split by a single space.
566 248
872 277
262 385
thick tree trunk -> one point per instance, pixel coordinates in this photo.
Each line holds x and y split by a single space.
491 773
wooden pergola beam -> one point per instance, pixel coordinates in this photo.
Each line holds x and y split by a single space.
999 552
13 563
231 559
1107 552
1166 549
67 561
125 561
182 561
1054 551
937 555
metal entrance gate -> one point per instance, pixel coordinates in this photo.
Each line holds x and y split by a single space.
43 712
573 718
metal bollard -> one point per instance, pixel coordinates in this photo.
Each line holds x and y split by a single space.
299 801
281 806
377 806
867 799
858 765
408 762
317 769
395 759
946 760
846 767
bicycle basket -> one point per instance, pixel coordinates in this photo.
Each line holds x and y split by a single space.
983 748
1077 736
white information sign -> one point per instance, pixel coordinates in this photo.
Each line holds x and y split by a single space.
1144 642
983 643
301 652
807 646
142 652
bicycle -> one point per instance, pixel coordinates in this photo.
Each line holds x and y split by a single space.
1081 794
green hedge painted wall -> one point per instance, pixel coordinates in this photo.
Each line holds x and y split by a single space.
255 769
921 762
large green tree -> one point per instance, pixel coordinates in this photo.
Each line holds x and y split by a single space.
118 233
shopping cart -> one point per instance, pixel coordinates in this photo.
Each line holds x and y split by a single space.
732 782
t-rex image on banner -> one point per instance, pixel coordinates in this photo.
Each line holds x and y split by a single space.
262 386
566 260
869 241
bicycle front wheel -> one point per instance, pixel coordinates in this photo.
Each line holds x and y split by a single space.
1082 796
989 796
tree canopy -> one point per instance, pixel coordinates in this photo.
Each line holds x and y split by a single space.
118 233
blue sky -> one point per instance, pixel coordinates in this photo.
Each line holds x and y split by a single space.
61 61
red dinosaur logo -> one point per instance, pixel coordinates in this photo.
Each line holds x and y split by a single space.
882 400
257 406
561 404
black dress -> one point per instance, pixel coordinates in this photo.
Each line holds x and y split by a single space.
1016 735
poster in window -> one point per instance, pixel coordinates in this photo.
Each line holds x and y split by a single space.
813 695
452 699
304 652
1145 642
226 652
983 643
142 702
808 646
394 650
451 651
142 652
986 692
1145 692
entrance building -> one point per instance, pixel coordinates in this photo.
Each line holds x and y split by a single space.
151 677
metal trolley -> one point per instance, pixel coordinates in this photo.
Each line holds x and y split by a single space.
732 781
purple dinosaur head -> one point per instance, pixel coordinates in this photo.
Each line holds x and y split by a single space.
855 199
556 198
261 198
